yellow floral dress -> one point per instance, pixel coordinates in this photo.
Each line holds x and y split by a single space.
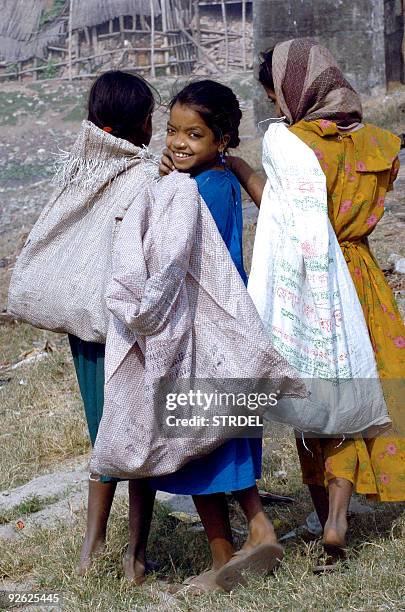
360 167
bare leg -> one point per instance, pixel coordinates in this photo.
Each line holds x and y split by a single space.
320 500
214 514
340 491
101 495
141 500
261 530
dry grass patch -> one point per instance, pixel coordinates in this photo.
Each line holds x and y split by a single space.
42 414
372 579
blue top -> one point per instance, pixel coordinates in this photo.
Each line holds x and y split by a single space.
226 210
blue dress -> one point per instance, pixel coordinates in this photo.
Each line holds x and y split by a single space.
235 465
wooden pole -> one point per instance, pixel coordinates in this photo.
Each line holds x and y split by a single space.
223 6
35 73
403 42
70 39
164 29
152 40
198 26
244 35
94 39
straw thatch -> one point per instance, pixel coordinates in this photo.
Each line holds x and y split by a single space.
20 18
94 12
20 38
12 50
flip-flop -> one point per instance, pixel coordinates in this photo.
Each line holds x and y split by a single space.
197 585
261 560
329 559
268 499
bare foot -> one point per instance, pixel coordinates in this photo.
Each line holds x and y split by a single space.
261 531
334 533
90 549
134 569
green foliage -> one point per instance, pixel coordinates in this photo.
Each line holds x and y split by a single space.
11 68
51 14
50 71
27 506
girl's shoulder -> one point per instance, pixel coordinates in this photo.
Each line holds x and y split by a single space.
217 178
376 148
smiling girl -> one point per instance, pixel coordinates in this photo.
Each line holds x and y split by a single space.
204 122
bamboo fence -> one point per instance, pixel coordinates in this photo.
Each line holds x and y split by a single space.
172 42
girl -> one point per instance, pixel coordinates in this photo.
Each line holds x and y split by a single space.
360 163
120 110
203 125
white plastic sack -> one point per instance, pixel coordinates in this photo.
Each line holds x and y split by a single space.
303 291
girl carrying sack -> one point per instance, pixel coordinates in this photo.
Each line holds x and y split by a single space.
60 277
302 289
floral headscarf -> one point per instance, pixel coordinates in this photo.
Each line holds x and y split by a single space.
309 84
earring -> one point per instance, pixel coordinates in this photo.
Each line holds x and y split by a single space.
222 158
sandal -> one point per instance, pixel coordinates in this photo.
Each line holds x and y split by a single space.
261 560
197 585
328 561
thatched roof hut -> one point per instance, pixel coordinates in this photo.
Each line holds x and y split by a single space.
20 37
94 12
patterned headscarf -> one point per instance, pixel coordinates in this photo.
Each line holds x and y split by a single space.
309 84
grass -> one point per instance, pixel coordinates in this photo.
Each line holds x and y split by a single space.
42 415
372 579
27 506
38 99
21 173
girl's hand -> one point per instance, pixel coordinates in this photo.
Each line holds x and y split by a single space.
166 165
250 180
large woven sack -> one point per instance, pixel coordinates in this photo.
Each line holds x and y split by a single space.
60 277
303 291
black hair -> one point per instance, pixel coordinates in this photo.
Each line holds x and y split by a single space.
217 105
265 76
122 102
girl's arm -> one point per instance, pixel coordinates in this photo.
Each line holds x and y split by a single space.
250 180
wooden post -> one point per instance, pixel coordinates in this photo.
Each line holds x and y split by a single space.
403 43
152 40
244 35
164 30
198 26
94 39
122 24
87 35
35 73
110 26
70 38
223 6
144 23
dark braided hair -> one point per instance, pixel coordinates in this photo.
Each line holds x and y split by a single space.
265 69
216 104
122 102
